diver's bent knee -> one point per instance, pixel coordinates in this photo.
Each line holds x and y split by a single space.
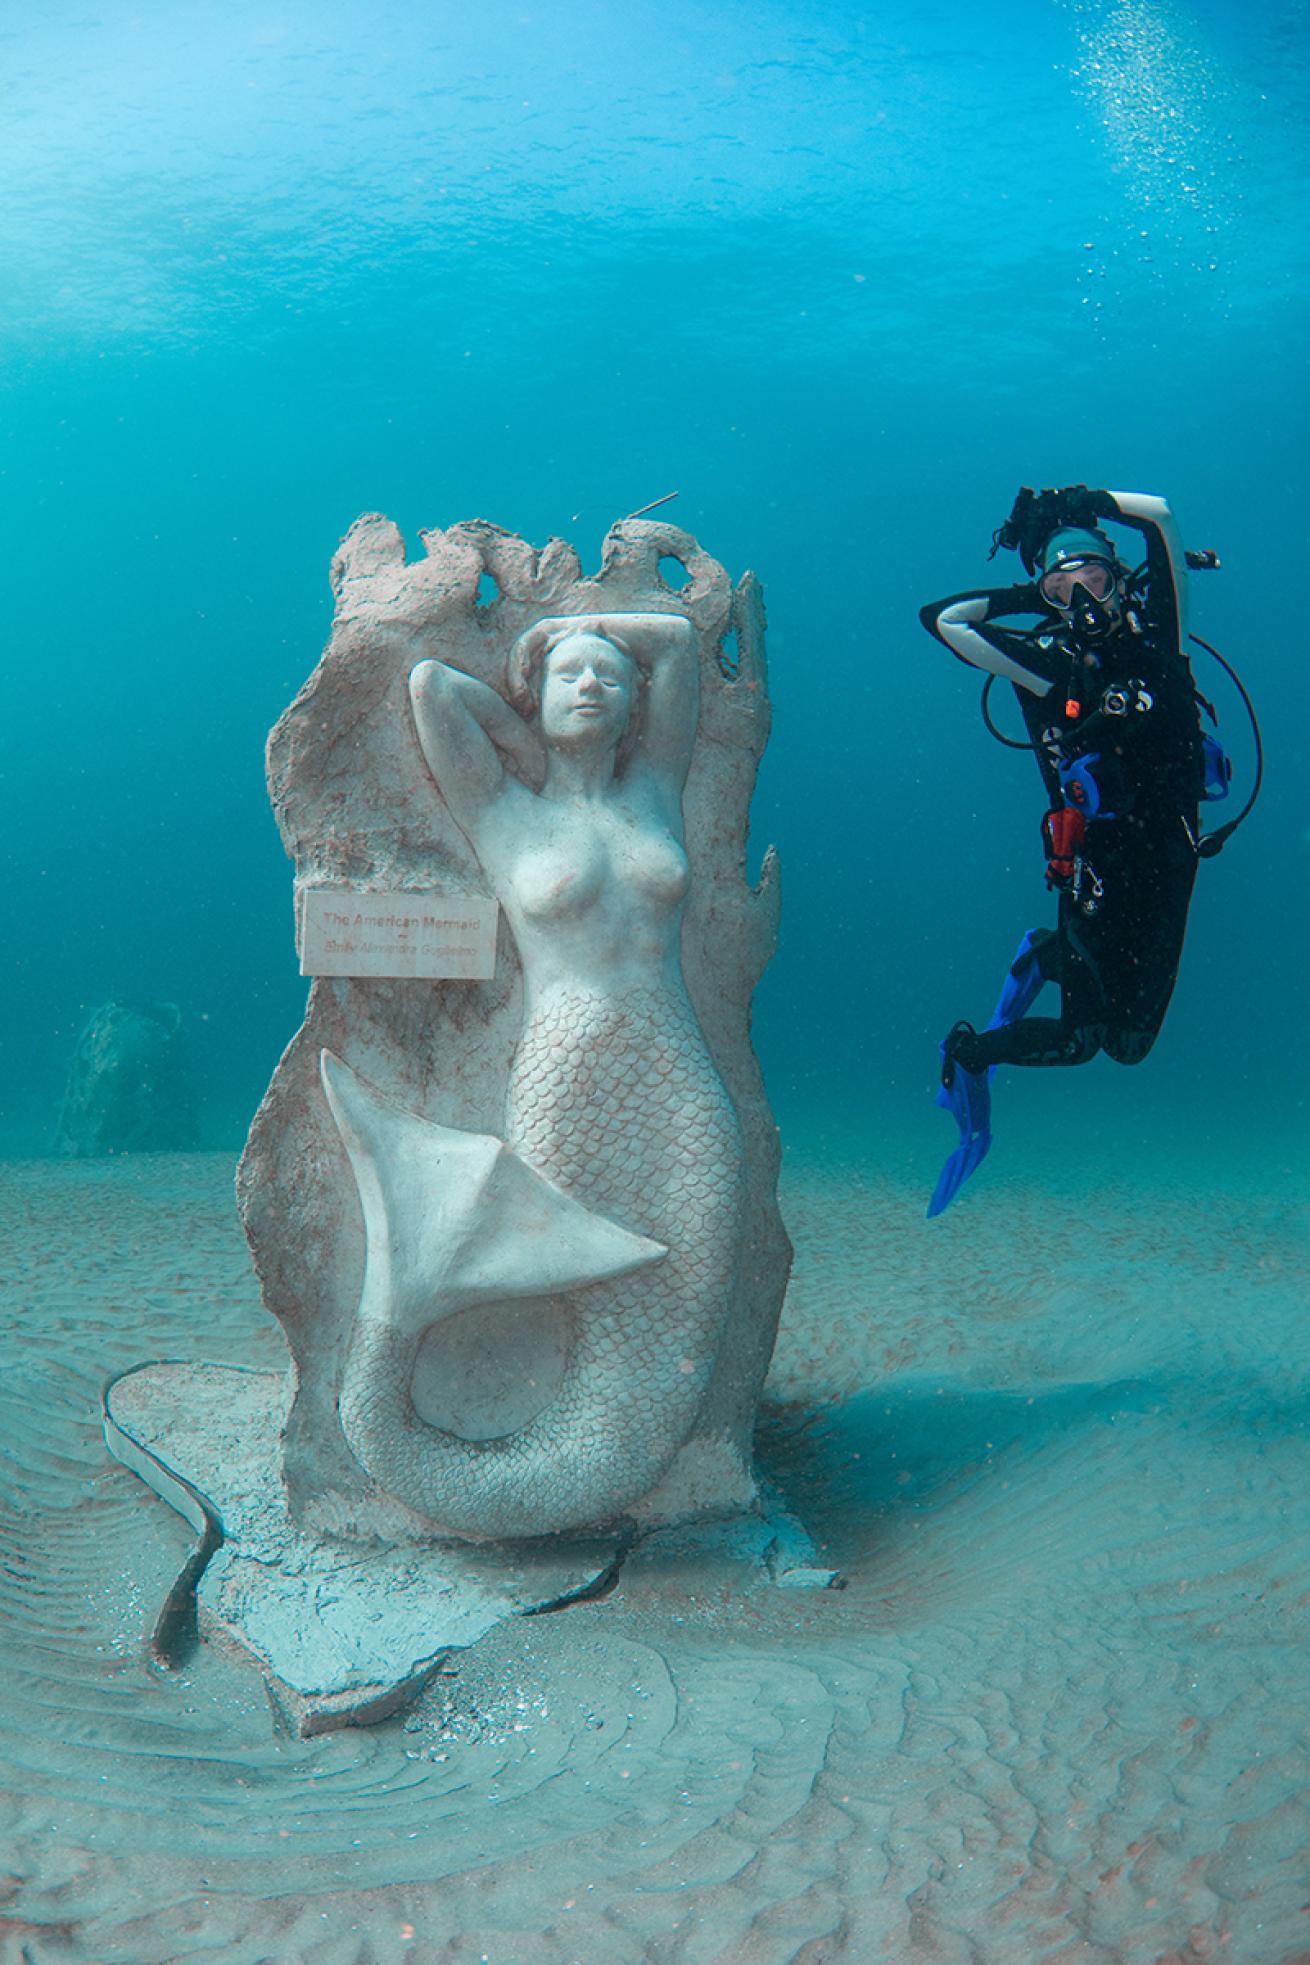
1129 1046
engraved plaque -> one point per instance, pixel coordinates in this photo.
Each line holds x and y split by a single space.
425 936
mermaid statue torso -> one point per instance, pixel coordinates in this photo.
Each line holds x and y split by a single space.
613 1099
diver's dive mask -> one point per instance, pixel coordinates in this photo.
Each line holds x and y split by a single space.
1093 578
1080 578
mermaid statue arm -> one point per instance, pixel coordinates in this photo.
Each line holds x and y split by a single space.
467 733
664 648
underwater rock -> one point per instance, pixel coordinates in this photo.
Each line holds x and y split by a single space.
129 1085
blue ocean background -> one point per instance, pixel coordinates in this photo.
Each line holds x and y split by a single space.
843 277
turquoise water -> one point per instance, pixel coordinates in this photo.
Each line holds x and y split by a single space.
842 277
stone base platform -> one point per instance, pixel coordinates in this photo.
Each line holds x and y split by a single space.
346 1635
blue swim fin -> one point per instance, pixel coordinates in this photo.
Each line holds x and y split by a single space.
968 1097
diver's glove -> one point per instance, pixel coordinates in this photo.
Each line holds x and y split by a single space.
1026 514
1035 515
1080 504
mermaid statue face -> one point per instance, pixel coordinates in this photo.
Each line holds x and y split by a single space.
587 691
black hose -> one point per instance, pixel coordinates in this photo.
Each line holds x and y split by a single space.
1011 743
1213 842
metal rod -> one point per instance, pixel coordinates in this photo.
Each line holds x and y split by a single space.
653 503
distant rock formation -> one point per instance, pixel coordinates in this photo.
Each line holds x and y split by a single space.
129 1085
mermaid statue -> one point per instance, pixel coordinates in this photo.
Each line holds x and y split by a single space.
570 795
522 1233
517 1216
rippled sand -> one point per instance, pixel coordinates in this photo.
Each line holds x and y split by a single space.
1056 1446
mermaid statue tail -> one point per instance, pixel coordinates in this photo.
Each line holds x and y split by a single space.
618 1101
469 1222
615 1111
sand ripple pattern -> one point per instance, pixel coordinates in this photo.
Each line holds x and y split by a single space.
1057 1715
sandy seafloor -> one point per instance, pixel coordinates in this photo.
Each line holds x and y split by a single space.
1056 1444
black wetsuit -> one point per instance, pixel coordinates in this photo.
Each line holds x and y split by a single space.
1121 921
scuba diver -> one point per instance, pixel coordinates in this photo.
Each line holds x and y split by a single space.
1113 718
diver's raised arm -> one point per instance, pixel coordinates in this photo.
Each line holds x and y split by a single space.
1166 562
964 624
664 649
467 731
